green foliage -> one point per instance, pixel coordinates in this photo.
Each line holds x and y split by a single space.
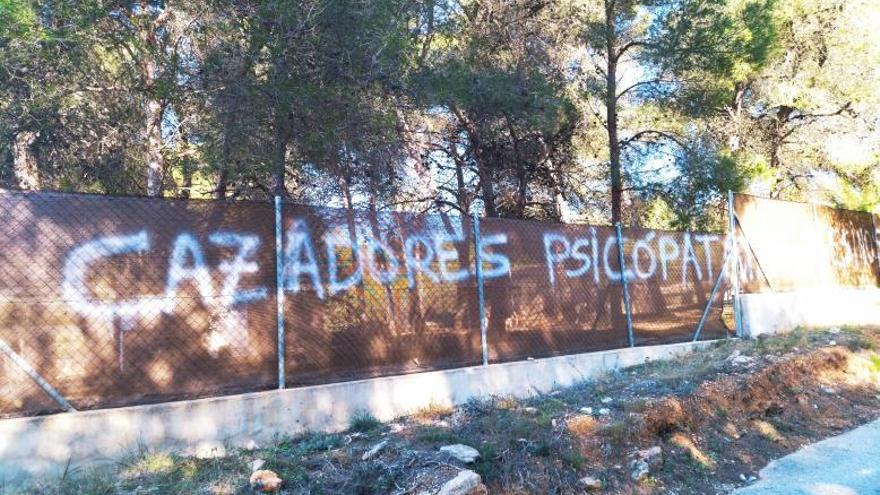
364 422
17 20
448 104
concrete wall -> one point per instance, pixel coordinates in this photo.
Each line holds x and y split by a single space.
44 445
782 312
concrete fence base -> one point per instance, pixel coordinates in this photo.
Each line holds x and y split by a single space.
769 313
43 446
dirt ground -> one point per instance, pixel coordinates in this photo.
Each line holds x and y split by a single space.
718 417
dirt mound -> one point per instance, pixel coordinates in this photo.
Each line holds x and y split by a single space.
766 393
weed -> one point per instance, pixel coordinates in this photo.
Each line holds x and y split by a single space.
432 412
371 477
767 431
364 422
573 459
434 435
540 448
582 425
316 442
487 465
507 403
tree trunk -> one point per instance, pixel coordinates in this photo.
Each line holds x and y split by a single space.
155 162
482 162
488 189
611 108
222 183
24 162
461 196
154 108
617 310
279 163
558 196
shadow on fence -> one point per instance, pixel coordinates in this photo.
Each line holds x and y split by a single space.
117 301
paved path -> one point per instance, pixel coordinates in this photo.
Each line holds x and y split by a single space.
847 464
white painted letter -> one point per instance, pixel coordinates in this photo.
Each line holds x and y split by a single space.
644 245
299 244
414 264
185 246
335 285
446 254
241 264
500 262
707 240
75 272
610 242
689 256
551 256
668 252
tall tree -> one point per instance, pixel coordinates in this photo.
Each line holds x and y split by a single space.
646 61
501 101
806 123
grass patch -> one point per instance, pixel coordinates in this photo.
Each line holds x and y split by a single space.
364 422
433 435
432 412
875 363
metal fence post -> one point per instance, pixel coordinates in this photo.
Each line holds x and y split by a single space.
734 277
478 262
32 373
626 303
279 291
712 297
876 235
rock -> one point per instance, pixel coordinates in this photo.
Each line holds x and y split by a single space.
828 391
834 330
466 483
591 484
461 452
251 445
530 410
832 343
207 450
604 411
742 360
653 457
374 450
640 470
606 400
265 481
257 464
587 410
742 477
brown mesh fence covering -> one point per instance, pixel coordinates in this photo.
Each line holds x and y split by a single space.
673 274
554 297
402 298
125 300
795 246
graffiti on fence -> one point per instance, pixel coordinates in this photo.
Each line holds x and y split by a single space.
434 255
129 300
187 262
645 255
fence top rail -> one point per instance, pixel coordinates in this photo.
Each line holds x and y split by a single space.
802 203
548 224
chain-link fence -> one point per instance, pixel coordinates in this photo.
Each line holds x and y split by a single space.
109 301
